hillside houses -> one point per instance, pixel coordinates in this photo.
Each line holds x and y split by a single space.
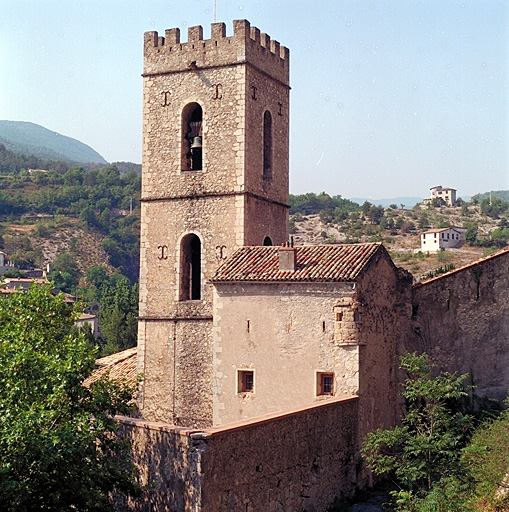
439 239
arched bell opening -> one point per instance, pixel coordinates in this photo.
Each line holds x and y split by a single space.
190 268
192 137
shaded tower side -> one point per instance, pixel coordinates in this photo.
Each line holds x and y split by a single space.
215 178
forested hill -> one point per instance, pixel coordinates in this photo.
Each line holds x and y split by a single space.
44 196
33 139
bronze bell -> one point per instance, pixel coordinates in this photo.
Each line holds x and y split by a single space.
196 144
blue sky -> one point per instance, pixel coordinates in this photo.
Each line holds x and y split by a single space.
389 97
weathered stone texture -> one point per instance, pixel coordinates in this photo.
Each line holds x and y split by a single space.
385 292
228 203
462 320
177 365
285 333
248 465
246 45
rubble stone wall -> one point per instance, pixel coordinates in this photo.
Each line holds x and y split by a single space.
462 320
300 459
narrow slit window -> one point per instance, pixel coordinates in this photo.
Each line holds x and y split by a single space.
267 145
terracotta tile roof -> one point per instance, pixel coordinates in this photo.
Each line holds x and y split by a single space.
121 366
314 263
440 230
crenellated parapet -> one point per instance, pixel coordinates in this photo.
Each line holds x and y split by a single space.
247 45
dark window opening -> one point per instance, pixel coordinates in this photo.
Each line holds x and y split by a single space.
246 381
267 241
267 145
192 141
190 270
325 384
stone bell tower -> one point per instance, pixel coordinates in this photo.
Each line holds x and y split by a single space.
215 178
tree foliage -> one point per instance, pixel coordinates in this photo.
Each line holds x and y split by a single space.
423 453
100 198
487 457
58 450
119 314
310 203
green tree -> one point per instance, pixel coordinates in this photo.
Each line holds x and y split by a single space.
423 221
423 453
65 273
58 450
119 314
487 457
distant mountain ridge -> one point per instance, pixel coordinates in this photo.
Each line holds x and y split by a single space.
32 139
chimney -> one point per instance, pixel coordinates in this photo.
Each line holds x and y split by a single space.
287 258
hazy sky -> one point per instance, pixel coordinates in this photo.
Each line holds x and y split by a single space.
389 97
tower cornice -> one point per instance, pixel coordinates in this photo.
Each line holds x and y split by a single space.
208 195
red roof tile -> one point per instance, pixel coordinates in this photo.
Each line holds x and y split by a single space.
314 263
121 367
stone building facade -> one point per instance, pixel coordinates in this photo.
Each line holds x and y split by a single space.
215 178
265 365
329 327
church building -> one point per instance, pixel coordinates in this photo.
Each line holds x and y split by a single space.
264 364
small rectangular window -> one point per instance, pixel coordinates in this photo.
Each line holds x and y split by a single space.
325 384
357 317
245 381
339 317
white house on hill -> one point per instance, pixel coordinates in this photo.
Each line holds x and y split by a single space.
445 193
443 238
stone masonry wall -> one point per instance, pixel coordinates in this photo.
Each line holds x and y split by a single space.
246 45
228 203
177 369
462 320
383 297
284 333
297 460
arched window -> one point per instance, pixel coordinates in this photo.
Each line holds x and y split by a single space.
192 138
267 145
267 241
190 268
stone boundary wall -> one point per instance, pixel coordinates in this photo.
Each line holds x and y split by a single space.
300 459
462 320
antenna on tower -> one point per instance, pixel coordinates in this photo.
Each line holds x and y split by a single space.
214 11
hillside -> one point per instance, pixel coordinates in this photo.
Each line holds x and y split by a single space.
322 219
33 139
93 215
